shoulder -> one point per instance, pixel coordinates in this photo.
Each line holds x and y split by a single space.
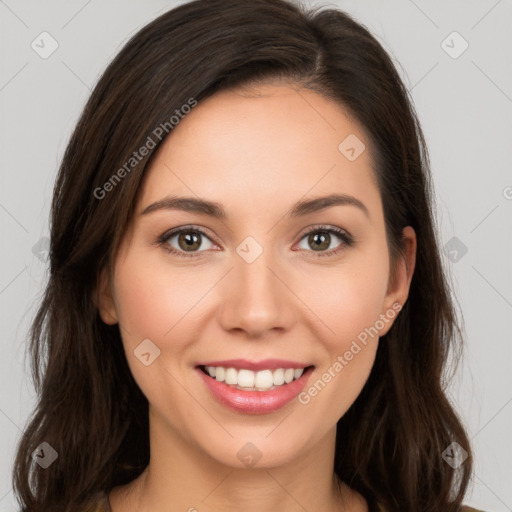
99 503
464 508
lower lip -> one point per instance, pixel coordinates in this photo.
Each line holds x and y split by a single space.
255 402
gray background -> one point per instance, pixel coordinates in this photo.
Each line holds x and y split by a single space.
464 105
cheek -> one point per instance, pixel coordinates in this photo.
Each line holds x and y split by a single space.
347 299
153 303
150 301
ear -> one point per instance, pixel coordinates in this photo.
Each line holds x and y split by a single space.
104 300
400 281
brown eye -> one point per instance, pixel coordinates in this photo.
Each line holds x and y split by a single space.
189 242
319 240
322 240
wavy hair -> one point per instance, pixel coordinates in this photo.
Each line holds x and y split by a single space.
90 409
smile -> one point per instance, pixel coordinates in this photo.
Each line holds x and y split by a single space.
248 380
254 392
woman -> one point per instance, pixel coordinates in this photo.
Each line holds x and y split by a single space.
246 307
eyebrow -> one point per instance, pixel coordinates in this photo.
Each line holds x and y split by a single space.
216 210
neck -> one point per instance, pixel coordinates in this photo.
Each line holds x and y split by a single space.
181 476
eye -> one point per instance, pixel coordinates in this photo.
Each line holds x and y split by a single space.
188 241
320 238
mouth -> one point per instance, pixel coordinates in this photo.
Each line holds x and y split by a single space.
249 380
254 392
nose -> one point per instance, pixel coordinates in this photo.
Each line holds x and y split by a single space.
258 297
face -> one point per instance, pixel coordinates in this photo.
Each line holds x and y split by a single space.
309 286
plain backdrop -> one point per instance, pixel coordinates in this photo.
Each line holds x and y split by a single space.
455 58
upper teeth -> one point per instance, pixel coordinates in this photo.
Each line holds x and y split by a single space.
264 379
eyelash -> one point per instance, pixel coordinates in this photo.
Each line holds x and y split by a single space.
347 239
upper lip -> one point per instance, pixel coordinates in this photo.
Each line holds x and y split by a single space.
255 366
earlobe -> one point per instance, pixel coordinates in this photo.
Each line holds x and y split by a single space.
398 291
104 300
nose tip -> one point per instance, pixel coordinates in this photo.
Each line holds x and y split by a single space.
255 298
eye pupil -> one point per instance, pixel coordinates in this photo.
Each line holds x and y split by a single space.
189 240
321 236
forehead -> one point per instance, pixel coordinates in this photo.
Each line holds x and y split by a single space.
261 147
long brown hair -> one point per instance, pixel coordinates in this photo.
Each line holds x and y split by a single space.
90 409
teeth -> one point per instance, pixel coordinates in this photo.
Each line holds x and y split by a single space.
264 379
278 377
245 378
257 381
219 373
288 375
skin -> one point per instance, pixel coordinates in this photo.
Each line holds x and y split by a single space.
256 151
